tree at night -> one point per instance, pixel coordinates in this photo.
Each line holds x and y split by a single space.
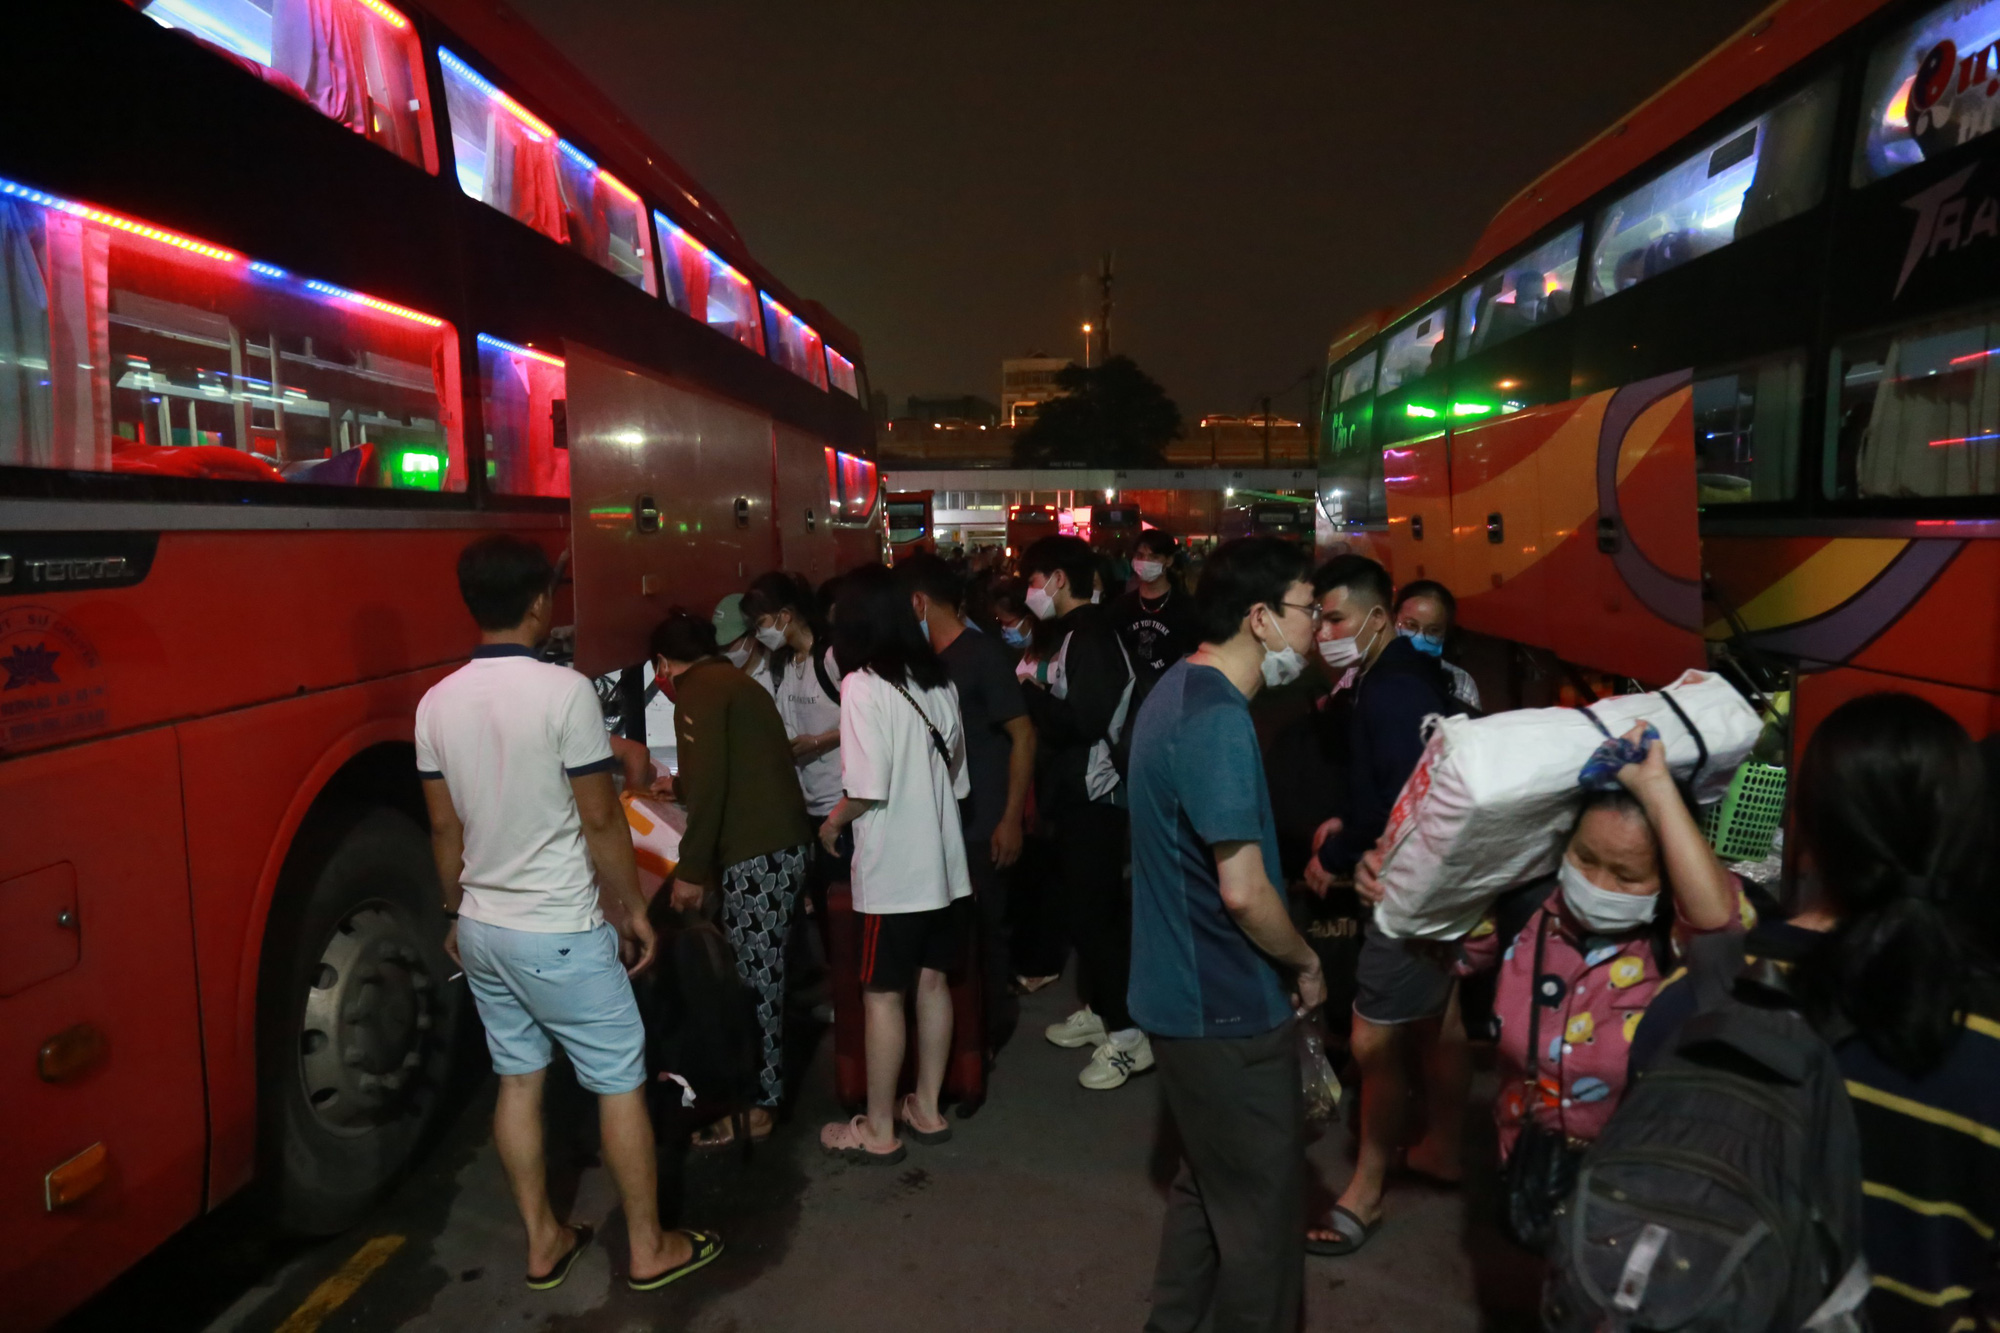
1112 415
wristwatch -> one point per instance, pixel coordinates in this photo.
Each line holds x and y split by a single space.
449 915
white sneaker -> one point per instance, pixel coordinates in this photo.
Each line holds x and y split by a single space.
1082 1028
1111 1065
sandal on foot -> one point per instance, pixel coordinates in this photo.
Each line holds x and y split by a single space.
848 1139
1351 1231
707 1249
552 1279
906 1118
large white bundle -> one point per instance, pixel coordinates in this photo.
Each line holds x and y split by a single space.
1489 803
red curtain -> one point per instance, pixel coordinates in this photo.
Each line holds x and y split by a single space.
317 44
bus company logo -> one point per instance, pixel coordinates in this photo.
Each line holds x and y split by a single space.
51 678
77 571
1952 99
1943 224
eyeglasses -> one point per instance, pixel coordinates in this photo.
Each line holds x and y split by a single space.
1310 608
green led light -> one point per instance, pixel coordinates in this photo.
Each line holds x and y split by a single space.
1419 410
1471 409
421 470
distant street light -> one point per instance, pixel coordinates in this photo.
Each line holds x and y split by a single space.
1086 347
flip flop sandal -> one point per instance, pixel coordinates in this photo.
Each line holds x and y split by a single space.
707 1249
552 1279
1353 1234
849 1142
930 1138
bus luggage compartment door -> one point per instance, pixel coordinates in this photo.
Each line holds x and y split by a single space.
99 1035
656 473
1496 527
1416 477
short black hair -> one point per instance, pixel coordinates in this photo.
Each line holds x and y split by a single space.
500 577
1362 577
1432 589
933 576
684 637
875 630
1159 541
778 591
1071 555
1241 574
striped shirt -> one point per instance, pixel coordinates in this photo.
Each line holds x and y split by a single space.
1930 1161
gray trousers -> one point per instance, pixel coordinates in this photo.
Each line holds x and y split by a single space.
1234 1240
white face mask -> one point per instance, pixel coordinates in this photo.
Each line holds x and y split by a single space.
1341 654
1042 602
1281 665
737 656
1148 570
771 637
1601 910
1096 596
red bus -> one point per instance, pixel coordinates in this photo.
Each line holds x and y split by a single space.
1028 524
1724 384
289 312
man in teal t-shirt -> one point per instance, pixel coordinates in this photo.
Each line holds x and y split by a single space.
1212 948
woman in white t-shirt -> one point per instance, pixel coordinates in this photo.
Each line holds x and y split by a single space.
903 769
782 611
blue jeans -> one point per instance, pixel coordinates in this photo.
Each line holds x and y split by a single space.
533 988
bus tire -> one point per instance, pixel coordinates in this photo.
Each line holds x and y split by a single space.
358 1023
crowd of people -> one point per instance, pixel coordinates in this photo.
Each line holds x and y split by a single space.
1010 770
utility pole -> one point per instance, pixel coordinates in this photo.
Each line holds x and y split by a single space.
1104 316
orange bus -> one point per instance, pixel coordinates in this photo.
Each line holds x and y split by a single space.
295 301
1724 384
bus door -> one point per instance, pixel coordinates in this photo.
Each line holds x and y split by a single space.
1496 528
100 1050
804 505
670 503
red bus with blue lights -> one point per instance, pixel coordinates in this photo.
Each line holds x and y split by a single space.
1723 385
296 299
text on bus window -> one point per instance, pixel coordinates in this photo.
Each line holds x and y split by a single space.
1757 174
356 61
1931 86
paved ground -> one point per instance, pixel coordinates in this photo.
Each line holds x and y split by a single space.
1042 1214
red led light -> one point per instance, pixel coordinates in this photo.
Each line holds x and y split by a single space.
151 233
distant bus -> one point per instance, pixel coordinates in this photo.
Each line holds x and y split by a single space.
1113 528
910 529
1290 519
1028 524
1722 384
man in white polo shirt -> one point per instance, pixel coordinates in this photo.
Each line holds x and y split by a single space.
533 854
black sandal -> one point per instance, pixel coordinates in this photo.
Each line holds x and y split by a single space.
707 1249
552 1279
1350 1238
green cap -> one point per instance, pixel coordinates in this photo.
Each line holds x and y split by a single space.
728 619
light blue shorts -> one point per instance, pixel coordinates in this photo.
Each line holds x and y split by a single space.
532 988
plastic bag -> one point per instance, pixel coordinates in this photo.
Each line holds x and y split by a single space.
1316 1077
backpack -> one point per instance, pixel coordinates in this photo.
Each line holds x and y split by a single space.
1725 1194
1110 759
701 1025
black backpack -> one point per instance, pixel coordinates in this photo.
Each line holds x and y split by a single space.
701 1024
1725 1193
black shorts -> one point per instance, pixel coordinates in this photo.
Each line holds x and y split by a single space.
896 944
1400 981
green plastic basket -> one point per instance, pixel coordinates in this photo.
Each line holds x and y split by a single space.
1741 825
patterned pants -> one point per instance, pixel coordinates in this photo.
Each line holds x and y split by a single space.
757 900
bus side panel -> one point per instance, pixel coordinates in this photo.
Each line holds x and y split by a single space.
1948 634
1417 479
805 516
250 778
1818 694
1495 493
101 823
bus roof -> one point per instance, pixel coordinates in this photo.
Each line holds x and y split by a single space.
553 86
1774 41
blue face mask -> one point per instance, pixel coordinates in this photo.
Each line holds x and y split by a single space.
1015 636
1423 643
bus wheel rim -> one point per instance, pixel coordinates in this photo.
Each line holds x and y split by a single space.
370 1007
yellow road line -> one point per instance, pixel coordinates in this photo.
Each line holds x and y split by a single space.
331 1294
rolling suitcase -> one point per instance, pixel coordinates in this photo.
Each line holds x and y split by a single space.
964 1072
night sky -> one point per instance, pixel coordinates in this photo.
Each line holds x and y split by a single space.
944 176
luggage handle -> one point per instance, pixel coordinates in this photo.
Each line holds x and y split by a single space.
1700 742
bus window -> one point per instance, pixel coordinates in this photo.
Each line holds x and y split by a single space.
1746 429
1413 351
523 400
701 284
840 374
1358 378
607 222
851 483
1758 174
1931 87
506 155
793 343
1530 290
356 61
1917 412
128 348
